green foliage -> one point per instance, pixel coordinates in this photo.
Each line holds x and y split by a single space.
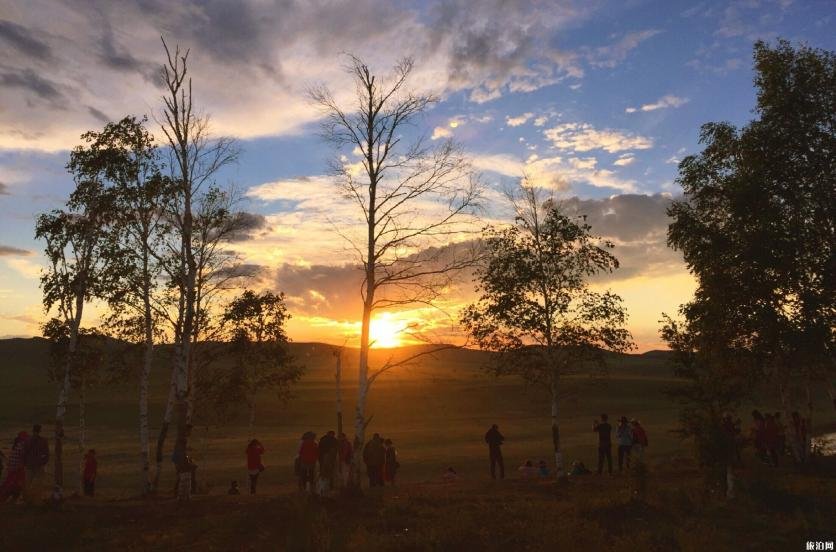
254 328
535 307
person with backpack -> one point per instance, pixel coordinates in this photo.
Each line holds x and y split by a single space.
327 461
495 439
35 459
254 452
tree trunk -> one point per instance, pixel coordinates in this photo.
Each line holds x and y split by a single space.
362 392
252 416
169 411
730 482
144 377
64 392
558 456
338 378
82 429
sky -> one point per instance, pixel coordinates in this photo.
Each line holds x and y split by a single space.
597 101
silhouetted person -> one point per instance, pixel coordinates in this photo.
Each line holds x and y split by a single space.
624 436
374 456
391 464
328 449
91 470
308 456
345 455
494 439
639 439
15 471
233 489
604 431
35 458
254 451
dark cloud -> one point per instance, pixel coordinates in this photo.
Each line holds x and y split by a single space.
321 290
101 117
9 251
4 189
247 224
24 40
28 80
638 225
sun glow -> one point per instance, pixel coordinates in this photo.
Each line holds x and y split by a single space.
385 332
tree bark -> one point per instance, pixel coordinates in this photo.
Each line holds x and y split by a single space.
82 428
145 375
64 392
161 437
558 455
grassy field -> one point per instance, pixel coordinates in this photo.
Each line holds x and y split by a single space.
437 413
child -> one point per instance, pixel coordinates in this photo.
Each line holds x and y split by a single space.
90 472
233 489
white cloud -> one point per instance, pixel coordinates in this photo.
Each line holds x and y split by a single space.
624 160
611 55
662 103
584 137
441 132
541 120
519 119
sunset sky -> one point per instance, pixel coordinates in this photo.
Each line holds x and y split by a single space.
597 100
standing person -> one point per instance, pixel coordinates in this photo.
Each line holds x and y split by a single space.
624 437
91 469
374 457
35 458
639 439
782 434
390 462
327 461
758 435
495 439
345 455
799 437
770 439
15 471
308 457
604 431
255 466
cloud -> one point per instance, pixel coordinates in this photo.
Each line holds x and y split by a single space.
9 251
584 137
541 120
246 225
518 120
611 55
624 160
662 103
24 41
109 55
24 267
441 132
4 188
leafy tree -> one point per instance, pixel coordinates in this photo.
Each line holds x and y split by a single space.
124 158
83 255
254 325
756 227
535 307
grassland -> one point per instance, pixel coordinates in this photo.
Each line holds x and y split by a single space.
436 412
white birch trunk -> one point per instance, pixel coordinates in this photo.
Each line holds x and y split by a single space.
144 433
730 480
64 392
169 411
362 393
82 438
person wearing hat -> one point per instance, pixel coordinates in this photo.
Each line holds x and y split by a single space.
624 438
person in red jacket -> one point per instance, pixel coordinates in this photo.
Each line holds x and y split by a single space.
639 439
91 468
308 456
15 472
254 465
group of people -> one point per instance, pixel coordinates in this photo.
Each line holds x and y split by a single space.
22 471
630 436
770 437
332 454
381 459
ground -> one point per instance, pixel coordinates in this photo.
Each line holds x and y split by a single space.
437 413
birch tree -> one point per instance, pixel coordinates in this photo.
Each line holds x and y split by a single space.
128 161
412 197
82 255
536 310
195 160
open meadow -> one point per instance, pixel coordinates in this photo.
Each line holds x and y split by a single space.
436 412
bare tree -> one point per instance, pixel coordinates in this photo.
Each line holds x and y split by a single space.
196 159
415 197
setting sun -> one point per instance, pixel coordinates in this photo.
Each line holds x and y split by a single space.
385 332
